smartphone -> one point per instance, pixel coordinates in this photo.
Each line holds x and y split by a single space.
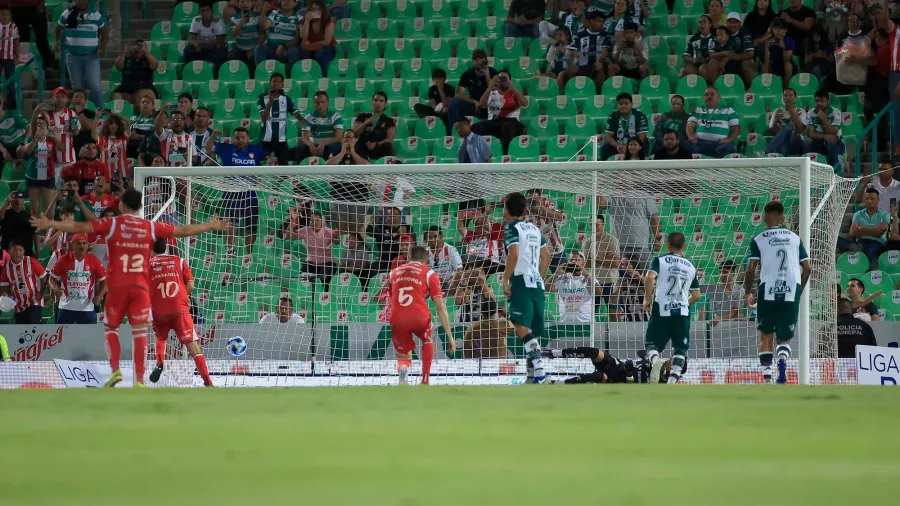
894 202
20 195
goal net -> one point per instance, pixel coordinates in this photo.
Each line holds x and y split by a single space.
306 295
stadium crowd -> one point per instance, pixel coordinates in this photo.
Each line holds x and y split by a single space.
763 80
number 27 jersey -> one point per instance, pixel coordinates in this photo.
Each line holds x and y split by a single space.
411 284
168 276
129 241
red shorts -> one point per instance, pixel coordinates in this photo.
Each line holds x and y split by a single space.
131 302
402 334
181 323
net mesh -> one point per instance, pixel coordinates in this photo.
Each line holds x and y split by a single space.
612 215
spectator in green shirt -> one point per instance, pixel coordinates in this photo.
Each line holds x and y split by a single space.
868 230
12 133
69 196
322 131
713 127
282 29
624 124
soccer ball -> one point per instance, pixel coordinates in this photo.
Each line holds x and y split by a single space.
237 346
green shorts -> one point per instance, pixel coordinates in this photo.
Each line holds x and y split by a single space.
778 316
526 307
662 329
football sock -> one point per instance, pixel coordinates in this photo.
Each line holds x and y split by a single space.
200 362
529 369
783 351
113 348
677 366
159 351
427 357
579 352
533 351
404 362
140 353
651 354
765 364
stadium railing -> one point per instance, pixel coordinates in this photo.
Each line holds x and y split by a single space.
873 143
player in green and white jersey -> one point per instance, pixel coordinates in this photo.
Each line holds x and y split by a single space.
784 270
527 260
668 303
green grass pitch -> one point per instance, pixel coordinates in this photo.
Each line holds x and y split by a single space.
543 445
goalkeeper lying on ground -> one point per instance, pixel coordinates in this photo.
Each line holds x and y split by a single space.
608 369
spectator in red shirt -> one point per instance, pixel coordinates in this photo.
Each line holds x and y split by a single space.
22 279
87 168
100 199
78 280
504 104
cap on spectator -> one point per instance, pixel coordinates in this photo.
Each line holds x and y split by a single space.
406 238
59 90
779 23
629 25
734 15
479 54
79 238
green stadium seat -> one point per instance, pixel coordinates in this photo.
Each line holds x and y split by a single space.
542 128
196 73
805 84
851 127
415 70
749 106
305 72
853 263
265 69
490 27
348 29
233 73
656 89
401 10
889 262
346 287
524 148
507 51
890 302
437 51
364 11
658 8
399 52
247 96
183 14
164 32
496 147
325 85
454 29
346 108
411 148
437 12
691 86
688 8
362 50
671 28
538 47
212 93
174 53
467 46
599 108
418 31
446 148
658 46
562 148
524 70
430 128
876 281
170 91
580 128
399 90
615 85
768 87
359 93
382 31
580 89
121 107
730 86
342 72
163 74
471 11
543 91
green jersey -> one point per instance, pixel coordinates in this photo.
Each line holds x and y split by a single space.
530 241
248 35
716 47
40 161
12 129
79 214
698 47
742 41
832 115
625 128
321 128
284 27
143 124
590 46
570 21
676 278
714 123
780 253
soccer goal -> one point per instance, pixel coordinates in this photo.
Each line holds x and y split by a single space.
613 215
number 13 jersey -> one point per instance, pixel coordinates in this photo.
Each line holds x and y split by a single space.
410 285
129 241
780 253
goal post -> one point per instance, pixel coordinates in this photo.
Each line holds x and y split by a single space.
716 204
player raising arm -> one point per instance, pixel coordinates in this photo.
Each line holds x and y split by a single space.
129 239
410 285
784 271
171 282
527 260
668 303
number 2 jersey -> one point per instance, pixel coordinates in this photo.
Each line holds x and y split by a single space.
169 276
410 286
676 277
129 242
780 253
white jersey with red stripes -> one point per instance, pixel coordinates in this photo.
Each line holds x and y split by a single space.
9 34
549 227
25 282
175 147
78 280
113 154
59 245
59 125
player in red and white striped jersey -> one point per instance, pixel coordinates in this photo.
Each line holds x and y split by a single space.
65 125
174 140
113 143
22 278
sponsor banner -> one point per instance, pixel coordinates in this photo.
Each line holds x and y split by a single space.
76 374
877 365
